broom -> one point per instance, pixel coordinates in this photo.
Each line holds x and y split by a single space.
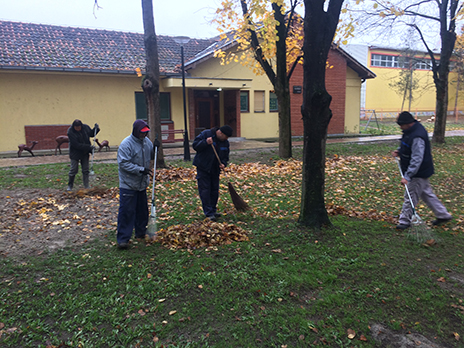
418 229
151 228
238 201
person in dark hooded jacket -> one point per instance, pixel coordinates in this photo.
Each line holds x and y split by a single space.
79 135
134 156
208 167
416 163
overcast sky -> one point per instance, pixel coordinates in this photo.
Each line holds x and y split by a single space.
172 17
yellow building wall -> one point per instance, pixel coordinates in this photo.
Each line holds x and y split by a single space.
44 98
382 98
253 124
352 102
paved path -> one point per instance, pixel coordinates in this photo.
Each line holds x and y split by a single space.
170 151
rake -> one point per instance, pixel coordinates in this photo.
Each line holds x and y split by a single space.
92 173
151 228
418 230
238 201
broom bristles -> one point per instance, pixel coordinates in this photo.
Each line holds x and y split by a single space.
238 201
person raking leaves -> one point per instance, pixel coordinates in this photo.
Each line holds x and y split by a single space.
134 156
79 135
417 167
209 168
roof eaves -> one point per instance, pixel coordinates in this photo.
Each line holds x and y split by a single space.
76 70
354 64
209 52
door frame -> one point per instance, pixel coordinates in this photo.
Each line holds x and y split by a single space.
197 113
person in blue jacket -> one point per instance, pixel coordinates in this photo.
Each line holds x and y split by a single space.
417 167
208 167
79 135
134 156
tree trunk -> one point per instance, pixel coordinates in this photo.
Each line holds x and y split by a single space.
319 30
281 86
441 70
150 83
441 109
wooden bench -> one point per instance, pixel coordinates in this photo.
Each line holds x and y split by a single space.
171 133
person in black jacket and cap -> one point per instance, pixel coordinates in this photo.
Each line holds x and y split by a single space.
417 167
79 135
208 167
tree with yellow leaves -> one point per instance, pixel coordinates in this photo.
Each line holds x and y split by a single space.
267 35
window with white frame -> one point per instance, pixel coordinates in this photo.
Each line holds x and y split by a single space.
387 61
384 61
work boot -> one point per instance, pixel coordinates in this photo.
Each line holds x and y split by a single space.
70 183
86 181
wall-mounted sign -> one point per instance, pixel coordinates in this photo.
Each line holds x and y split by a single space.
297 89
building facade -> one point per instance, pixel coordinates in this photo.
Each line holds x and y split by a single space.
51 75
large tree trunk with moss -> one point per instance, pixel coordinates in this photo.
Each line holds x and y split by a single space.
319 31
150 83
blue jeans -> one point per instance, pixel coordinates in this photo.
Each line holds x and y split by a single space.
133 213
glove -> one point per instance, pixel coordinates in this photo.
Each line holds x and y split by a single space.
97 126
145 171
156 144
92 149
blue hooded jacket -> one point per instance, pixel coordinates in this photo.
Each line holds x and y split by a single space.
134 155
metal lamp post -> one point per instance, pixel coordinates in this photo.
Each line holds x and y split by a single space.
183 40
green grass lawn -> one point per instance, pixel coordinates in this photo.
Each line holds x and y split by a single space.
286 287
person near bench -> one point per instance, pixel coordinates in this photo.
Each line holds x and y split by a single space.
79 135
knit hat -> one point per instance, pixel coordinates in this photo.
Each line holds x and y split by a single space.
227 130
77 123
405 118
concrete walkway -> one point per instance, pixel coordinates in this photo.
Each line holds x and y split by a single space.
177 150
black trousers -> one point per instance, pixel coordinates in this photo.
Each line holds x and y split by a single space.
208 188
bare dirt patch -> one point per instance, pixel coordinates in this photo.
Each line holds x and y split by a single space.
34 221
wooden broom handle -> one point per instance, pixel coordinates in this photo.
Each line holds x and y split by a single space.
215 152
217 156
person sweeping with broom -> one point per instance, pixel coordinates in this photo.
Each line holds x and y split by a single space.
208 166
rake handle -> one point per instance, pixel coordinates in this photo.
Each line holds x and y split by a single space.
405 186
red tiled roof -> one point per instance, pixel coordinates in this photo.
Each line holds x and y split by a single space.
49 47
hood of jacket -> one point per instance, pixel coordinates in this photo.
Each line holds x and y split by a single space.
137 126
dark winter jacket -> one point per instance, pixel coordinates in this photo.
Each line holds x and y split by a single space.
134 155
79 142
205 158
426 169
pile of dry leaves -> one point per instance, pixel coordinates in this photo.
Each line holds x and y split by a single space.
201 234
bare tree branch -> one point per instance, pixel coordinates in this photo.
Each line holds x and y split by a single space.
96 7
